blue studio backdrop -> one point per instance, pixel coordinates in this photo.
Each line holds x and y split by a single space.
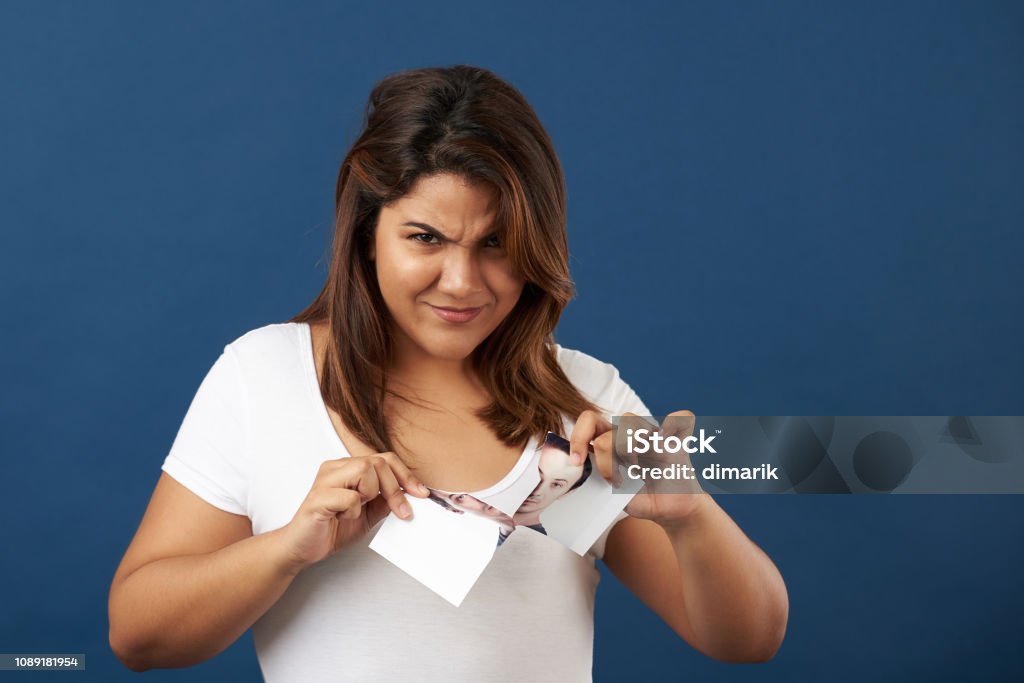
792 208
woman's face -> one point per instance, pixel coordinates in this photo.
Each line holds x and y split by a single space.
442 269
557 475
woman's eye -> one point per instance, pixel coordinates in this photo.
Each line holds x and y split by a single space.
424 237
493 241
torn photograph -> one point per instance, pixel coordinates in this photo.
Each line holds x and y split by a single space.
453 535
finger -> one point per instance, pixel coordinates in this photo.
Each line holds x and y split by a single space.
338 502
347 471
404 475
589 425
679 424
627 425
390 490
603 455
358 474
354 507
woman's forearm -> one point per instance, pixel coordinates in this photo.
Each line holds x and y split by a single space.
736 599
180 611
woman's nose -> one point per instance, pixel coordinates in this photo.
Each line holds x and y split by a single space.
461 277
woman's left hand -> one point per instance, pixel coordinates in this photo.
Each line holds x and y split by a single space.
668 501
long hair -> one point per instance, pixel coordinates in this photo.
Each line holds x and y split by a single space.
467 121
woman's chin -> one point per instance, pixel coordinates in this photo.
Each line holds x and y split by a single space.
450 351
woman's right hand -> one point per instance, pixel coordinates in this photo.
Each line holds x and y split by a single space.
348 497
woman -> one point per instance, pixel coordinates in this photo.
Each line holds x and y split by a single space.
426 359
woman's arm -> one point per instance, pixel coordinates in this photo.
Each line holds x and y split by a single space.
195 578
684 557
192 581
705 579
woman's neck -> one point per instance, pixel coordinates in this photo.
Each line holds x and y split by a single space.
413 369
419 375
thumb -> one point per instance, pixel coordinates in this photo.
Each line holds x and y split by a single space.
679 423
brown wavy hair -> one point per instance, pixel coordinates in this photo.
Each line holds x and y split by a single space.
467 121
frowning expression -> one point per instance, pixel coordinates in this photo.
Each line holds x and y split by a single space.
442 267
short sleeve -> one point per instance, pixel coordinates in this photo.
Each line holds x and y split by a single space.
626 400
622 399
208 454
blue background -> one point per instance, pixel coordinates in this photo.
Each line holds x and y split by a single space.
806 208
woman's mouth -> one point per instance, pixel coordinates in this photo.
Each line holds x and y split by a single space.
456 315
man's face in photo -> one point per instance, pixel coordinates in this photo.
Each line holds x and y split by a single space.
557 475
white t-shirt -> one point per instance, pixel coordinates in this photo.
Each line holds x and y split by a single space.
251 443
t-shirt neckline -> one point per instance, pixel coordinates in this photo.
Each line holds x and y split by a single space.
324 417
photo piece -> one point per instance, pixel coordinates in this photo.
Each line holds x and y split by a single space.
465 503
445 551
571 504
452 536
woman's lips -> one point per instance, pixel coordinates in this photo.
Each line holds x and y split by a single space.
456 315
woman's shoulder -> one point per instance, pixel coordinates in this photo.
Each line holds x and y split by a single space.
574 359
270 344
599 382
594 378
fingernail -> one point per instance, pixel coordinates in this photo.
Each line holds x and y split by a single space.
423 488
576 458
404 511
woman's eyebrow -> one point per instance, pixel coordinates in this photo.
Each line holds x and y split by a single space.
426 228
435 232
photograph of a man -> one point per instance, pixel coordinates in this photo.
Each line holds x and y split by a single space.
460 503
558 477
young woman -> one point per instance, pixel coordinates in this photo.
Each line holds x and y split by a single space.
427 359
